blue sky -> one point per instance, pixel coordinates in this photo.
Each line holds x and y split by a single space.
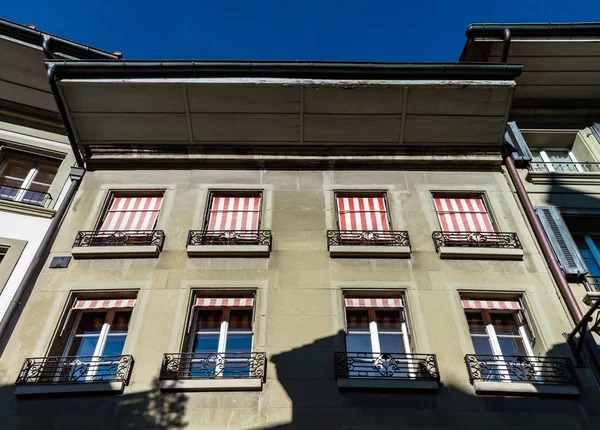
349 30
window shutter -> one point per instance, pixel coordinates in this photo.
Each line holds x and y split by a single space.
527 324
562 243
516 146
596 131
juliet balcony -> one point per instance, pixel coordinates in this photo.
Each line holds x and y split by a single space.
212 371
25 196
45 375
522 375
476 244
564 172
386 370
118 243
368 243
229 243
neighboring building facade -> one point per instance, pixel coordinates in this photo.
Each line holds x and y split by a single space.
35 156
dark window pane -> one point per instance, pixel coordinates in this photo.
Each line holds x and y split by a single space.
511 346
356 342
120 321
482 345
210 320
390 343
83 346
240 319
205 342
504 323
17 170
388 320
114 345
91 322
239 342
476 324
357 319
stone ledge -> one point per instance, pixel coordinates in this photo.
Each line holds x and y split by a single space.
92 387
387 384
480 253
524 388
26 209
79 252
217 384
566 178
228 250
590 297
364 251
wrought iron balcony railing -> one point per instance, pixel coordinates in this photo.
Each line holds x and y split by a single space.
229 237
565 167
76 370
476 239
367 238
24 195
591 283
537 370
386 365
200 365
120 238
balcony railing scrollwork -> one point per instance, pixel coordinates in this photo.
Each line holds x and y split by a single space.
75 370
476 239
537 370
201 365
367 238
386 365
24 195
229 237
120 238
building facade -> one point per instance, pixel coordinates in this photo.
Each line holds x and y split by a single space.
294 245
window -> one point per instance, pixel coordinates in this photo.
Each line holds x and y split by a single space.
586 236
27 179
233 212
2 254
131 213
555 160
222 334
463 213
362 212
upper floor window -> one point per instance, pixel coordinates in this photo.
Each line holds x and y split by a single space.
555 160
131 212
463 213
234 211
362 212
27 179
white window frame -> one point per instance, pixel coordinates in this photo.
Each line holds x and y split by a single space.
27 181
549 164
374 331
102 338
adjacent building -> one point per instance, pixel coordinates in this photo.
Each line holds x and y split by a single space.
262 245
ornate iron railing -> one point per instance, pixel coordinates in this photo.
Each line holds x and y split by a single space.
476 239
120 238
76 370
367 238
564 166
24 195
539 370
229 237
386 365
199 365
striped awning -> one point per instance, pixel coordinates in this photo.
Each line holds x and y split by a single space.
234 213
104 304
227 302
395 302
132 213
463 214
362 213
511 305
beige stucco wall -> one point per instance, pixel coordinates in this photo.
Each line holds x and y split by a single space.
299 316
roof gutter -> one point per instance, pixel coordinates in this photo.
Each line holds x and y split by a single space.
64 46
288 69
591 29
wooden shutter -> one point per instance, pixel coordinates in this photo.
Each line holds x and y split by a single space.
562 243
516 146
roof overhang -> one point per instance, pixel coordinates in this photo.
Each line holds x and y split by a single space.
24 89
191 110
560 83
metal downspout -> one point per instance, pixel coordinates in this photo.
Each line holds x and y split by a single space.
506 37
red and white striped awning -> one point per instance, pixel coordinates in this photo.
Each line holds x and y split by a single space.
104 304
132 213
510 305
234 213
227 302
395 302
463 214
362 213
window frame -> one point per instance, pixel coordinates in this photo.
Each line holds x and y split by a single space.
223 329
365 193
465 195
36 161
374 329
232 193
137 193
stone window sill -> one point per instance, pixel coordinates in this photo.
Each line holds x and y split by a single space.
387 384
524 388
572 178
458 252
228 250
358 251
92 387
25 209
218 384
80 252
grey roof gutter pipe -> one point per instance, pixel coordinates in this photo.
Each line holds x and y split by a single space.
589 29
